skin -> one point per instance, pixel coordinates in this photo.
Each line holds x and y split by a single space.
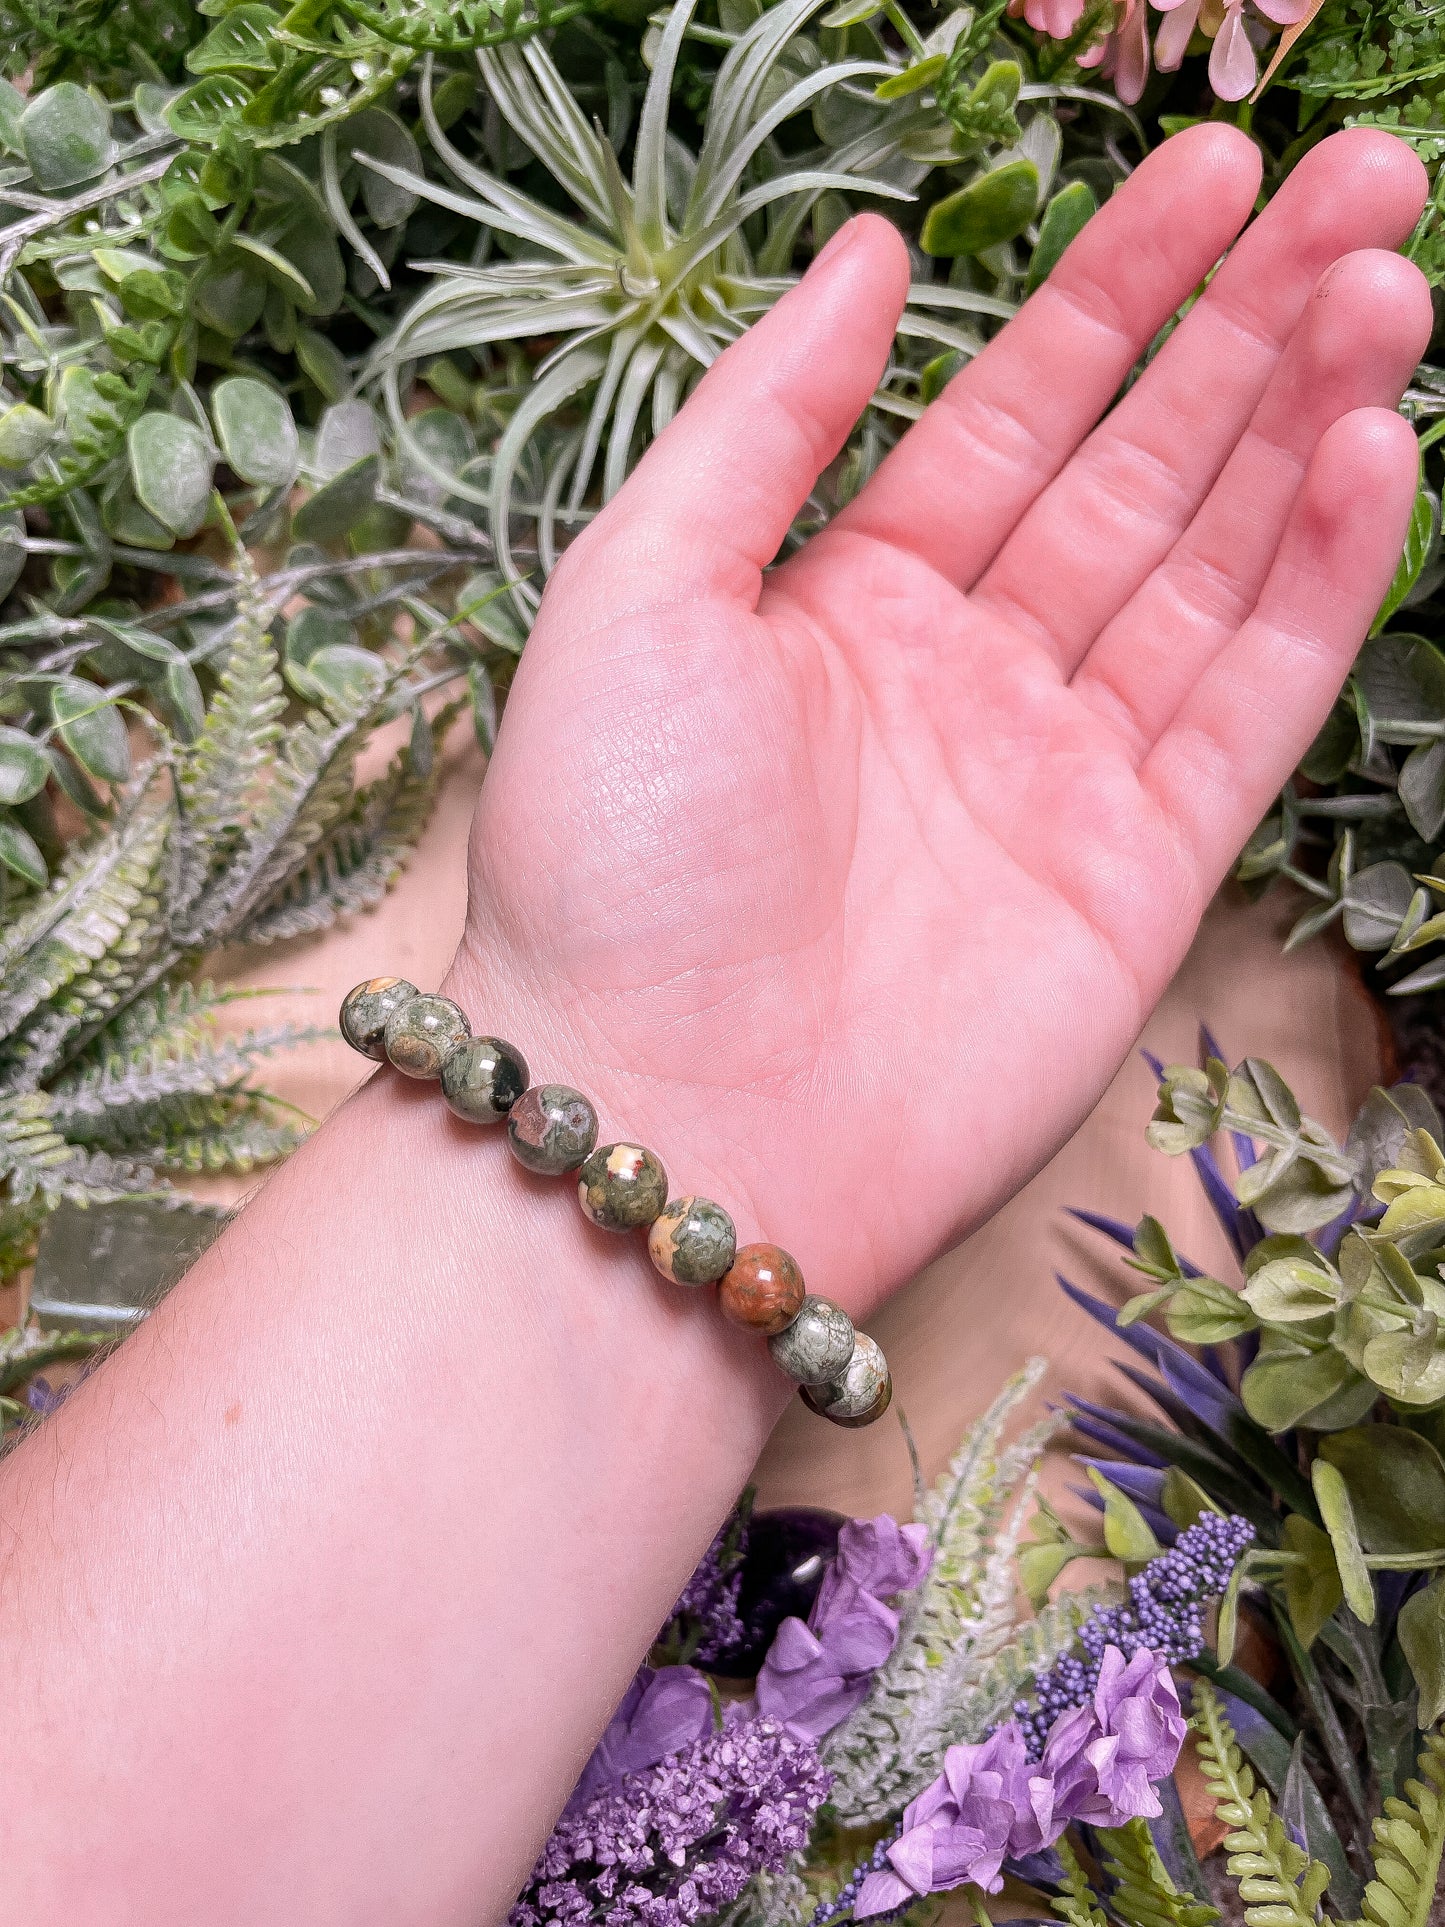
845 888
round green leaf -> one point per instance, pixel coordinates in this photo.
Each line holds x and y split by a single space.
21 853
347 432
230 299
24 766
1312 1588
1396 1481
1287 1291
256 432
991 209
12 550
180 697
335 509
312 629
12 107
66 136
1279 1390
170 466
24 431
91 728
343 677
1421 1627
382 136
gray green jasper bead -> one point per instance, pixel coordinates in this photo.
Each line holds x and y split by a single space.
423 1033
551 1129
861 1393
818 1344
692 1241
365 1010
622 1187
483 1078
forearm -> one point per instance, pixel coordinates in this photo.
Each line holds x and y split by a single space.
317 1595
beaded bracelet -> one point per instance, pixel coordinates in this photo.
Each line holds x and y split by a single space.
841 1373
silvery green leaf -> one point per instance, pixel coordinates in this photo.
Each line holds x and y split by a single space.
1396 1481
12 108
346 433
1279 1389
343 677
12 550
1286 1291
1421 1628
380 134
170 467
21 853
65 132
1422 788
24 766
339 504
91 728
256 431
1376 900
314 628
24 432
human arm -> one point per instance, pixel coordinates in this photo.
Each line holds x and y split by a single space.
319 1592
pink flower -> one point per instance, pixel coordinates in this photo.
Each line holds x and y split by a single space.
1123 54
1057 18
1233 66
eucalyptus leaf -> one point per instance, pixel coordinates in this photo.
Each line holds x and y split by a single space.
379 135
24 433
338 505
24 766
65 132
1421 1632
1288 1290
1333 1498
1396 1482
1280 1390
170 467
20 853
91 728
256 431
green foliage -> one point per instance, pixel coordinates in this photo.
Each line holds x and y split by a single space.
963 1654
1142 1892
1409 1839
1279 1884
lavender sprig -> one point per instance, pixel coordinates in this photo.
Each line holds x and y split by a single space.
1164 1612
667 1846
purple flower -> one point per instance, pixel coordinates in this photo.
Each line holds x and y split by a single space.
816 1675
660 1714
672 1844
1104 1756
987 1805
705 1623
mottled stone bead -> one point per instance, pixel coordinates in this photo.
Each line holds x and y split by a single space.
423 1033
483 1078
861 1393
763 1289
818 1344
692 1241
365 1010
551 1129
622 1187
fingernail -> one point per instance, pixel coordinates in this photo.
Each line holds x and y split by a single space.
832 249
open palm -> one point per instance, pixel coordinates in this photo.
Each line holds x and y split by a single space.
847 886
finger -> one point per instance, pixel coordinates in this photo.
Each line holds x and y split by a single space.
1355 347
1112 515
709 504
1247 721
958 482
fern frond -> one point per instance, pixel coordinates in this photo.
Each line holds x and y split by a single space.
959 1662
357 861
1076 1903
36 1162
1143 1892
1279 1884
218 774
83 919
204 1063
28 1349
229 1130
1409 1839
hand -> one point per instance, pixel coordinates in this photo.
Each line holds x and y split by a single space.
847 886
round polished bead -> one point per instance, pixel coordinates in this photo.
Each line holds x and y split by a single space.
818 1344
423 1033
763 1289
622 1187
483 1078
551 1128
365 1010
861 1393
692 1241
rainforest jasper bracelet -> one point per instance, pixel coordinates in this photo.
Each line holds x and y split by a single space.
552 1129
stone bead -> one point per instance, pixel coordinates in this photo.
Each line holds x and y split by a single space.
861 1393
423 1033
483 1078
763 1289
365 1010
692 1241
818 1344
551 1129
622 1187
